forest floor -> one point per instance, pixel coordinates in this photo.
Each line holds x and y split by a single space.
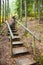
5 52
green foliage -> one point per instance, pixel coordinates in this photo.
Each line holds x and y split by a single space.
30 7
26 34
40 60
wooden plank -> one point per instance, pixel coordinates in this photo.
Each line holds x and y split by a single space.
15 38
14 34
17 42
20 50
25 61
13 30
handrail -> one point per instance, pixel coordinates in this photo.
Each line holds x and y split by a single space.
9 29
29 31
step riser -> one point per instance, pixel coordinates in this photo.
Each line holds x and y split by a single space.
13 31
16 39
13 34
13 25
17 45
21 54
12 28
25 61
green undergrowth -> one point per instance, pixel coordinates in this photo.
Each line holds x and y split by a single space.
40 59
40 28
26 34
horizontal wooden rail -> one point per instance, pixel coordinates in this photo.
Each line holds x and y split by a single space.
29 31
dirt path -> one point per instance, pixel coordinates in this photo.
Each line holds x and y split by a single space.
5 54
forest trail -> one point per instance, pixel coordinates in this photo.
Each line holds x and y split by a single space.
18 50
21 54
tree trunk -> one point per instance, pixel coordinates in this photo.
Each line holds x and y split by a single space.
20 10
39 10
0 7
25 13
3 12
7 8
0 12
35 10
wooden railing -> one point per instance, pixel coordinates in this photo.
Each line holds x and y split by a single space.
9 28
11 35
31 33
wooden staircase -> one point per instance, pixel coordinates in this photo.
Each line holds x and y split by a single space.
18 49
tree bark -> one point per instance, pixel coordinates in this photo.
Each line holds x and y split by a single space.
34 10
39 10
20 10
25 13
0 12
7 8
3 12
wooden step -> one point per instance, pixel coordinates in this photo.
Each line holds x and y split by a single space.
25 61
13 24
19 50
15 38
17 43
13 28
13 31
15 34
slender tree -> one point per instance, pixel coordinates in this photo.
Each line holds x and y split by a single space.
0 12
3 11
38 10
21 10
0 7
7 8
35 9
25 13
